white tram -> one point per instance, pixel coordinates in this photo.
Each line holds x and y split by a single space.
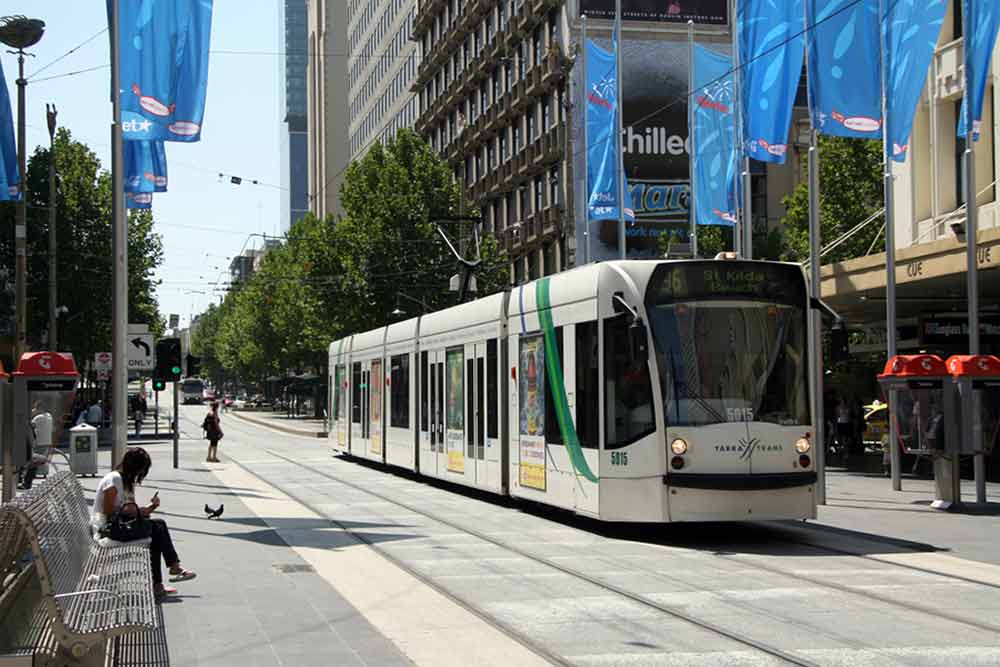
626 391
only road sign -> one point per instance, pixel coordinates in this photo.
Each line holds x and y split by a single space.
140 352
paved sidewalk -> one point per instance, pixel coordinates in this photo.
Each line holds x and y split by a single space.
866 502
255 601
281 422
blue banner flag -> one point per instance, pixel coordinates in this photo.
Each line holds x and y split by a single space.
713 139
912 30
139 200
164 67
772 46
9 174
845 75
984 18
604 159
145 166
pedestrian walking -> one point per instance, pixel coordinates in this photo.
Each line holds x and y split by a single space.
139 412
213 432
95 414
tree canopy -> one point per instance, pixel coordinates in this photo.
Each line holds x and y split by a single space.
334 277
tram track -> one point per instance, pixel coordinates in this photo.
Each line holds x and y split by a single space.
679 614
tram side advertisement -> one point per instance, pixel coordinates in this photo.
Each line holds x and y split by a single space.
455 359
712 12
376 408
531 410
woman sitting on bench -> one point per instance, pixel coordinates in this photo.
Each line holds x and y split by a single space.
118 488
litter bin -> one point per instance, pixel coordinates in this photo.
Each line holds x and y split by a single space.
83 450
924 410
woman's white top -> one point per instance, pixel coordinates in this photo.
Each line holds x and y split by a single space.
112 480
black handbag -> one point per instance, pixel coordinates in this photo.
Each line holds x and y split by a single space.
122 527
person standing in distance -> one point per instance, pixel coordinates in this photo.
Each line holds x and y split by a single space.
213 432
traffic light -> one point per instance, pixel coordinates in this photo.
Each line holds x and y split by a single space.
193 366
168 359
159 384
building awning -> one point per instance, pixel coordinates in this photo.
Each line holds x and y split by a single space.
930 278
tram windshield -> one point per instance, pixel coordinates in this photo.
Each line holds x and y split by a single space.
730 342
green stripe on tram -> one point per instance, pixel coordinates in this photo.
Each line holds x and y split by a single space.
553 367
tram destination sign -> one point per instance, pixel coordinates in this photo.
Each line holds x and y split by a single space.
719 279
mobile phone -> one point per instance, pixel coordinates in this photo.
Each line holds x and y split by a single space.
156 493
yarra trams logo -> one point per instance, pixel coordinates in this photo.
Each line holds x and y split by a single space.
746 447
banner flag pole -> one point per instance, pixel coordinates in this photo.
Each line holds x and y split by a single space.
971 234
622 251
816 321
586 157
691 170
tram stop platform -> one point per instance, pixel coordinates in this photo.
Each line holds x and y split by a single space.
280 585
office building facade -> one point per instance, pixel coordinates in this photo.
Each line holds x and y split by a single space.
327 147
294 139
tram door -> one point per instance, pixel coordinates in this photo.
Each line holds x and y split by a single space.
475 414
365 414
435 367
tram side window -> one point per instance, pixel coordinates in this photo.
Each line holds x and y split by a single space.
587 415
470 422
399 391
553 434
423 391
356 394
492 388
628 394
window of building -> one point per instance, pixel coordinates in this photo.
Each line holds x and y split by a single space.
510 208
628 394
495 79
549 258
503 145
491 155
516 129
518 271
537 46
523 203
529 119
399 391
546 112
539 192
553 186
522 60
533 265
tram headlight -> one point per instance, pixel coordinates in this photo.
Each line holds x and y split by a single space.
802 445
679 446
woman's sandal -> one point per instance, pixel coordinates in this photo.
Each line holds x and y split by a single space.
161 591
182 575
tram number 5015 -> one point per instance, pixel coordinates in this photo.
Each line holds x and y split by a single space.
619 458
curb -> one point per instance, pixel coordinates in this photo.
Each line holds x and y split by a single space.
277 427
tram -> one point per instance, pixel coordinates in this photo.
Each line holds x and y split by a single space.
635 391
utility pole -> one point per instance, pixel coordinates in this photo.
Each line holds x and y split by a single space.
19 33
119 251
50 113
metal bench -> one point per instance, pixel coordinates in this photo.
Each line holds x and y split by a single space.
88 594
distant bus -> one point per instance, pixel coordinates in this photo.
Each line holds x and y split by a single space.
192 391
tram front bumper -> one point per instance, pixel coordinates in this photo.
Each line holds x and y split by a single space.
740 482
721 497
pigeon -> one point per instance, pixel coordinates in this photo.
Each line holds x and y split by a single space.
214 514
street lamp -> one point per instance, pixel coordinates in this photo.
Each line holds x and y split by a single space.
19 33
399 311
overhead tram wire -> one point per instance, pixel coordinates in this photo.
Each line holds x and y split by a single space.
67 54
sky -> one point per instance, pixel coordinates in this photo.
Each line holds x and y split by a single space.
203 220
